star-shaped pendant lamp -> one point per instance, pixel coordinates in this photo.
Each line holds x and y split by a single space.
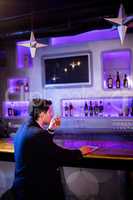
122 20
33 45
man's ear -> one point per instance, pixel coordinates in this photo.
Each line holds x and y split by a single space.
41 114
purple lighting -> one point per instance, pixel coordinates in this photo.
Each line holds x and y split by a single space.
15 109
24 59
110 147
116 61
96 35
14 84
119 57
97 107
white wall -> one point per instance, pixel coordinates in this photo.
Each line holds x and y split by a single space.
96 47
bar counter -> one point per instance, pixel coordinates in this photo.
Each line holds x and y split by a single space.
116 155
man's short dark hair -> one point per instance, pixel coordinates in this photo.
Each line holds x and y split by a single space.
37 106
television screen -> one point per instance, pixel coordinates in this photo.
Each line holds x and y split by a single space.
68 69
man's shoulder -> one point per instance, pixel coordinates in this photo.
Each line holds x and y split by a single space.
35 131
32 129
26 127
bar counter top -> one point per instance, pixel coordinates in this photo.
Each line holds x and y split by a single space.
6 145
106 155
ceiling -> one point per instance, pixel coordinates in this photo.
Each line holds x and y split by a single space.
48 18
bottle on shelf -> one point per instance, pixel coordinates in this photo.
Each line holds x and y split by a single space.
118 82
86 109
91 109
66 109
71 109
10 113
17 88
96 108
101 108
126 111
125 81
110 81
131 112
121 110
26 86
11 110
18 84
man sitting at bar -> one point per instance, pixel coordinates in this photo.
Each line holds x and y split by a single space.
38 158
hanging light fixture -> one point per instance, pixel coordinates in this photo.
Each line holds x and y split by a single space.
122 20
32 44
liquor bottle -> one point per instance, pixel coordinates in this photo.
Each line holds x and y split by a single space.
110 82
66 108
11 110
125 81
118 83
126 110
96 108
10 113
101 108
86 109
70 109
17 87
26 87
132 108
121 110
91 109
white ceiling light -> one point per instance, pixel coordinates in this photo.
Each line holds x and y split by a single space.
33 45
122 20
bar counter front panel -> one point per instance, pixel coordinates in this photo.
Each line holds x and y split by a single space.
104 154
104 173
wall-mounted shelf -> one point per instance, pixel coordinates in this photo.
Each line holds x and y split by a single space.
116 69
98 107
18 85
15 109
24 59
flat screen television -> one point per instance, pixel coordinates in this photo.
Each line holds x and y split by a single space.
67 69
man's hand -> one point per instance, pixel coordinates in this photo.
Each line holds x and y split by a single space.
55 123
85 150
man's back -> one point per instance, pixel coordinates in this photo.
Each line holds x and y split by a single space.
34 169
37 163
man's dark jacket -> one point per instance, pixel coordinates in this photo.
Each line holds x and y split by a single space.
38 158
